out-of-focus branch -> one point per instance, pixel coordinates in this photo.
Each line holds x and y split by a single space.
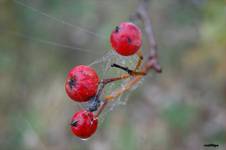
142 14
151 62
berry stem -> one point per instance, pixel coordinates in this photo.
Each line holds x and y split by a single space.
140 56
104 104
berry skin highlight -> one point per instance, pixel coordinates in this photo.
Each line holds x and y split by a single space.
126 39
81 83
84 124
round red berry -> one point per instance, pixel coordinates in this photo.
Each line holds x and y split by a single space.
84 124
81 83
126 38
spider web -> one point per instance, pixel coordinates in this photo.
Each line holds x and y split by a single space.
102 65
105 71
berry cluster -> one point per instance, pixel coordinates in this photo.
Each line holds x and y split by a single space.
83 84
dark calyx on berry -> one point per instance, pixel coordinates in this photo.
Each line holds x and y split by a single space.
72 82
93 104
74 123
117 29
129 40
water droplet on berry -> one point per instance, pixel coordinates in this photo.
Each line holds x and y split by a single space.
84 139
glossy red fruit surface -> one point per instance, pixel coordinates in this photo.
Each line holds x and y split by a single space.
84 124
81 83
126 39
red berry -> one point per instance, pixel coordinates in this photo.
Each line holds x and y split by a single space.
84 124
126 39
81 83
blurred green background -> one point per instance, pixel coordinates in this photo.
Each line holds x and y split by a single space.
183 108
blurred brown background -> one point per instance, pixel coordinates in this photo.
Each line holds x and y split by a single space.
183 108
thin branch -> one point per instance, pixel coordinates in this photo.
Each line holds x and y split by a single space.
103 105
143 15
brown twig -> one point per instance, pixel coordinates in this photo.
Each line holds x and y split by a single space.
143 15
150 63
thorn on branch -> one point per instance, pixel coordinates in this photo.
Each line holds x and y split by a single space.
121 67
